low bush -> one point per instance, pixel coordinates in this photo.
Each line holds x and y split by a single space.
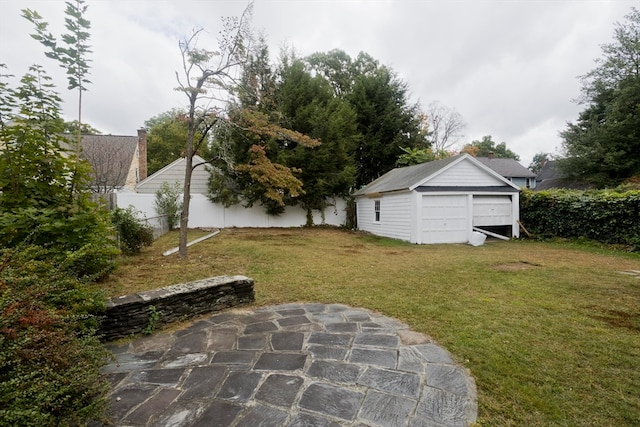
77 238
607 216
50 358
167 202
133 232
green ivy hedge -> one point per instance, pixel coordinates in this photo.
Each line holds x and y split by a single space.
607 216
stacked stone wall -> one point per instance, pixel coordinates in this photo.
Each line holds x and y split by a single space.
135 313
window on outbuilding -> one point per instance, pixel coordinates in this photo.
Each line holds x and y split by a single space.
376 208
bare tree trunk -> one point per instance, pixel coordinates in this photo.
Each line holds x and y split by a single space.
198 60
186 193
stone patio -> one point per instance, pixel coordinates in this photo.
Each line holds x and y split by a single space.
290 365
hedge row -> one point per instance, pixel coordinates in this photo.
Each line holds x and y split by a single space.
607 216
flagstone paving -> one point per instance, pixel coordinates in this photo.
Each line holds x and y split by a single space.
290 365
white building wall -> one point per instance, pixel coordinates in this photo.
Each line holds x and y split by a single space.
365 213
175 173
395 215
464 174
524 182
406 216
203 213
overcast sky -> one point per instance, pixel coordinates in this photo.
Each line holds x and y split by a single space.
509 67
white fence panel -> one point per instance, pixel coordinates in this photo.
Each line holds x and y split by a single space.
205 214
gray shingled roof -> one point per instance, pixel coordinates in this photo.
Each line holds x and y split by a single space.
403 178
509 168
550 177
110 157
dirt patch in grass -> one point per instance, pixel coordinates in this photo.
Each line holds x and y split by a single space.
620 319
516 266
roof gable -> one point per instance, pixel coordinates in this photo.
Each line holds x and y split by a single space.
461 171
173 172
403 178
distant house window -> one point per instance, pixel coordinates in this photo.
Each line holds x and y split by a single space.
376 208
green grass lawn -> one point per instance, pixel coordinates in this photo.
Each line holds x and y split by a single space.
550 331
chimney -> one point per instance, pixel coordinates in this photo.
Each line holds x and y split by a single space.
492 155
142 153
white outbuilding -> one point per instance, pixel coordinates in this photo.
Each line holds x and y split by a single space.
444 201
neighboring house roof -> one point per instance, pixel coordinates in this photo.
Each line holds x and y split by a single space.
411 177
174 172
111 158
551 177
509 168
117 162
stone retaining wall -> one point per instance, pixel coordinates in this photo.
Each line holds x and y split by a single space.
132 314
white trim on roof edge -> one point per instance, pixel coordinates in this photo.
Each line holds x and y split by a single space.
469 157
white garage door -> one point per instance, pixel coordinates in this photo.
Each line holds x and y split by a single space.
444 219
491 210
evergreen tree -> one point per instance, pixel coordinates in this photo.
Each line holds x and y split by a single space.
602 146
385 119
354 114
310 107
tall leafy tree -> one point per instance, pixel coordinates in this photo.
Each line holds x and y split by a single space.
487 146
538 161
244 168
355 113
309 106
166 139
337 67
602 145
387 122
72 54
74 126
385 119
205 79
262 155
45 198
35 167
208 80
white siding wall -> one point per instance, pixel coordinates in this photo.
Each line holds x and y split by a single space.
199 179
395 215
365 213
203 213
464 173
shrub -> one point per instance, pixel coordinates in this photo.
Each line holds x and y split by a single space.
607 216
133 232
77 239
50 359
167 202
